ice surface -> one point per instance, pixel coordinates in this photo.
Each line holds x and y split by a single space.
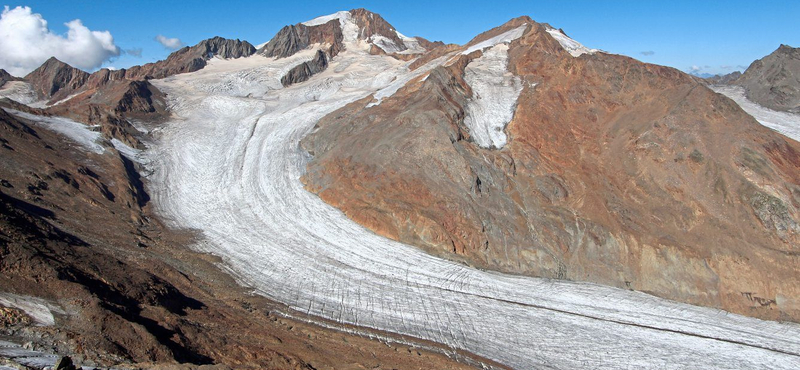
34 359
129 152
75 131
411 43
18 91
385 44
494 97
229 165
784 122
40 310
504 37
575 48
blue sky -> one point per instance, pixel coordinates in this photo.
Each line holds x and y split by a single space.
713 36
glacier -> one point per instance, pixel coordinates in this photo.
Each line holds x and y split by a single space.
228 165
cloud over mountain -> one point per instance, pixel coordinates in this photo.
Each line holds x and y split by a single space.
171 43
26 42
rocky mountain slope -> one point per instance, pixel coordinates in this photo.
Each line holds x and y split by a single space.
615 171
772 81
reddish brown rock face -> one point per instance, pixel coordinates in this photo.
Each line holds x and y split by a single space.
616 172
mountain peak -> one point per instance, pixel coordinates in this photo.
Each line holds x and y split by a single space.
55 76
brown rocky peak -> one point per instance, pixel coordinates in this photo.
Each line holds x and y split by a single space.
774 81
55 79
190 59
372 24
291 39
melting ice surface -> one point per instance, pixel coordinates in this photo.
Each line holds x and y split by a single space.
494 97
229 165
75 131
784 122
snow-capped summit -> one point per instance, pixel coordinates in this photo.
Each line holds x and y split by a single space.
358 28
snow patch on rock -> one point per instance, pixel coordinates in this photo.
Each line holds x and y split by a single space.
494 97
411 43
75 131
503 38
575 48
385 44
39 310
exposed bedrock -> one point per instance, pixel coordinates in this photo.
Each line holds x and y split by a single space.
305 70
774 81
616 171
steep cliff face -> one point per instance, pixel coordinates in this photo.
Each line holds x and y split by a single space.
614 171
774 81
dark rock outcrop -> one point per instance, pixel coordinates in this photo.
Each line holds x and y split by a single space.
55 80
5 77
774 81
305 70
291 39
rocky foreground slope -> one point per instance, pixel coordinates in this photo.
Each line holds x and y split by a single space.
614 171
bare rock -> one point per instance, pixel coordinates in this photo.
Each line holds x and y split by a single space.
774 81
291 39
56 80
305 70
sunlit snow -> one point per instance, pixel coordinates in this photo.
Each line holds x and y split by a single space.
494 97
75 131
502 38
575 48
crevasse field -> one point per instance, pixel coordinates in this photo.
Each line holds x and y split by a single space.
229 164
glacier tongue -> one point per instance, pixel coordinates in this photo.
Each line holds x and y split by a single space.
229 166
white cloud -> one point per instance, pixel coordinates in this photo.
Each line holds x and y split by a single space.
695 68
135 52
26 42
169 43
